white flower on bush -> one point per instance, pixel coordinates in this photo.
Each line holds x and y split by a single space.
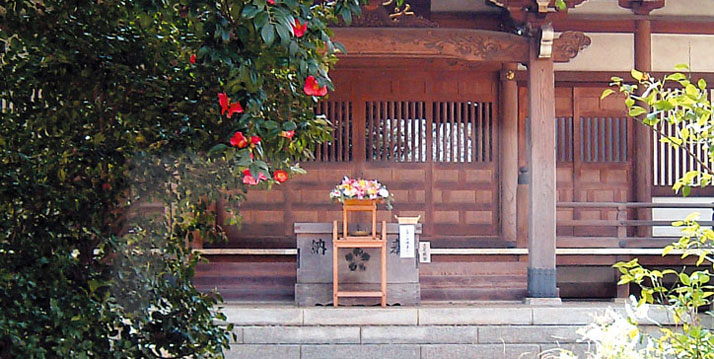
613 336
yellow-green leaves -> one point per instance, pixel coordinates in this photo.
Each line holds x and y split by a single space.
637 75
636 111
606 93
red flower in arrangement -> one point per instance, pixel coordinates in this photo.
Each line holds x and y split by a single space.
299 29
271 2
254 140
238 140
106 186
288 134
192 59
226 106
280 176
312 88
250 180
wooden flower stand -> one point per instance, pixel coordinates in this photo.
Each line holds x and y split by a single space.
368 241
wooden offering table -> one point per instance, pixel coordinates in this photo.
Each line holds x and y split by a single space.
357 242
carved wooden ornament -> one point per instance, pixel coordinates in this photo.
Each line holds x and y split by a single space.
568 45
464 44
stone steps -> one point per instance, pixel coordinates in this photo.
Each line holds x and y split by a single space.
508 330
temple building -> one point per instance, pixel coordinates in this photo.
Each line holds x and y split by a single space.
485 118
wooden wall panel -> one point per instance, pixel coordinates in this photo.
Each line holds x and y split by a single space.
593 151
430 134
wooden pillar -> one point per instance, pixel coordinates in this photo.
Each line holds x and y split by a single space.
643 134
541 162
509 152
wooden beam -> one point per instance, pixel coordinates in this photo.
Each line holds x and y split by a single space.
509 152
643 135
541 161
465 44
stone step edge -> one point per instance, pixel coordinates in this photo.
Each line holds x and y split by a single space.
425 316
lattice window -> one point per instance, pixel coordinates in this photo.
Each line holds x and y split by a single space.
671 163
339 149
396 131
564 139
603 139
462 132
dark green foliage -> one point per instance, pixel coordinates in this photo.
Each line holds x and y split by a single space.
103 113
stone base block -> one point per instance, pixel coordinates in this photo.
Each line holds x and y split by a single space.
310 294
543 301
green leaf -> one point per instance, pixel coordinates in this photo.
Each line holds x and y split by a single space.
629 101
691 90
289 126
341 48
606 93
284 34
346 16
261 20
664 105
677 76
702 84
667 250
217 149
681 67
637 111
249 11
637 75
268 34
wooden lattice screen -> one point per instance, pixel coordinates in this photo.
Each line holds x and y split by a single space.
396 131
339 149
603 139
459 132
564 139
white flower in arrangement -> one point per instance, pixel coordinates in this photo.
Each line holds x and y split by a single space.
383 193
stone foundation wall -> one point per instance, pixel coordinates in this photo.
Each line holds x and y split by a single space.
428 332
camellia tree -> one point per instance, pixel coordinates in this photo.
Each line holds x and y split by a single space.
109 106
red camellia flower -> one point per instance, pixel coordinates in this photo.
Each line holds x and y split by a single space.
280 176
250 180
288 134
234 108
231 108
254 140
223 101
192 59
312 88
238 140
299 29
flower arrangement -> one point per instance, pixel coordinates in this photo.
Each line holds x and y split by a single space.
351 188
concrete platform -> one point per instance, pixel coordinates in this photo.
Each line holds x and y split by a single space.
473 330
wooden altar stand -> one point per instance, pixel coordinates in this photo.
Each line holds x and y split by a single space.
368 241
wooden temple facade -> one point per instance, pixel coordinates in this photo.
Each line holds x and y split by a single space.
485 119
